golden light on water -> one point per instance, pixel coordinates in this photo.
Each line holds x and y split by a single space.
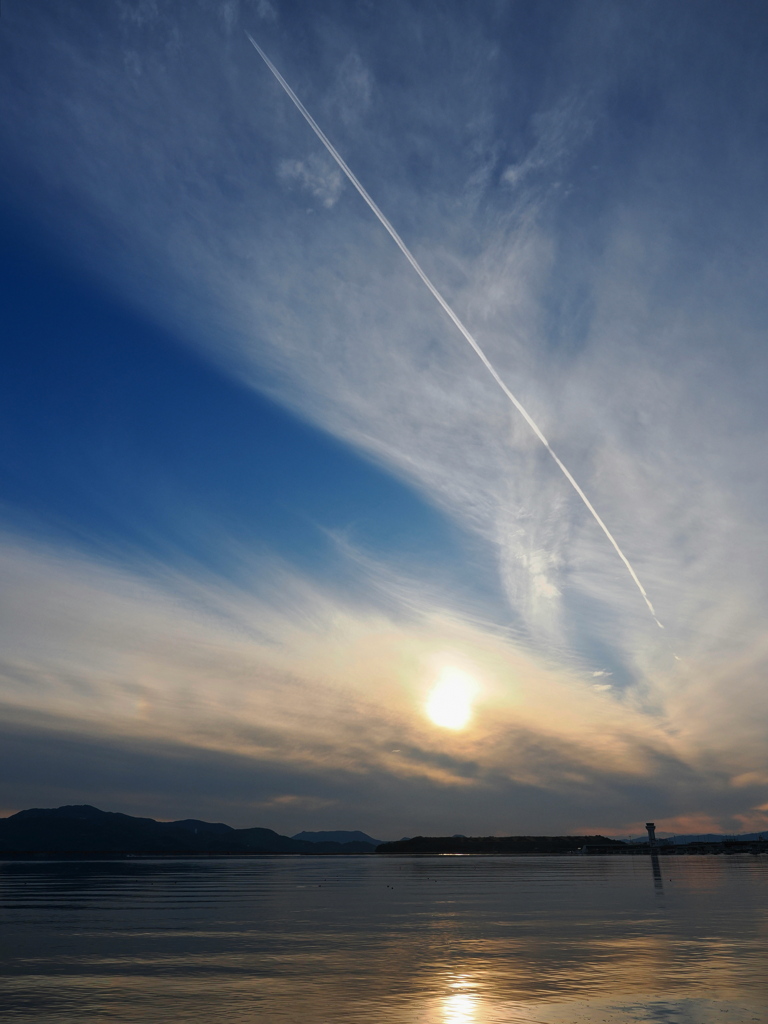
460 1008
450 703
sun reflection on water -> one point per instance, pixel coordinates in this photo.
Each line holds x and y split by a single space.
460 1008
462 1005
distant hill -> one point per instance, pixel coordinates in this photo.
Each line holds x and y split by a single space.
86 831
518 845
704 837
337 837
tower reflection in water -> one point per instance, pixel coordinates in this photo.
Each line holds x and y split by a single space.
655 866
658 883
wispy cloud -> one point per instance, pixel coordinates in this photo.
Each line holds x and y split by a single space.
297 682
317 176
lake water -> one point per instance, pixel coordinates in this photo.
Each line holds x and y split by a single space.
386 940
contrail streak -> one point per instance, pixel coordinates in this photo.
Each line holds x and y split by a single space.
451 315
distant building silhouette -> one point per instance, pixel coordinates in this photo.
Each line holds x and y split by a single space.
651 826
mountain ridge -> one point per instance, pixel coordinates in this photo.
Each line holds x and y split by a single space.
684 838
338 836
81 829
503 845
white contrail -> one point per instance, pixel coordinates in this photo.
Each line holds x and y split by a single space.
450 313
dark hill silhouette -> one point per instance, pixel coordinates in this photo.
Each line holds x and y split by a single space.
85 830
202 826
519 845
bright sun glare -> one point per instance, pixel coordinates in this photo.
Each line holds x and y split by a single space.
450 702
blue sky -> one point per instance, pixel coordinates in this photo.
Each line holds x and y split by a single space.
132 442
260 498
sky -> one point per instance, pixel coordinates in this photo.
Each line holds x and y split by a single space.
276 548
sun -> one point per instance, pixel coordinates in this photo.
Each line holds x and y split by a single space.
450 703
